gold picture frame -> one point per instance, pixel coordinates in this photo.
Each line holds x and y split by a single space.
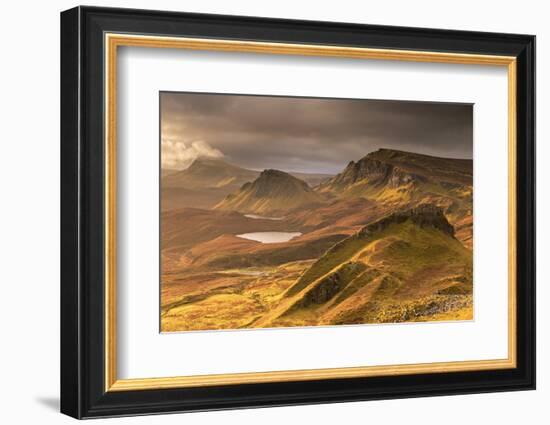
114 41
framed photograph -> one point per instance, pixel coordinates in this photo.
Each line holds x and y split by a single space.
261 212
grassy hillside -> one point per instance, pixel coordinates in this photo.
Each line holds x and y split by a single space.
399 268
273 192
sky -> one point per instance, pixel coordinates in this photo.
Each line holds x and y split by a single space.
312 135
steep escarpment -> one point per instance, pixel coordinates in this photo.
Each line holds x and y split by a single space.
451 170
393 169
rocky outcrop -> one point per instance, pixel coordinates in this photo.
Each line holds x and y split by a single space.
332 284
366 169
399 178
425 215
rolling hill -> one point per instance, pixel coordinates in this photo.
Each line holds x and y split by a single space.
402 267
273 192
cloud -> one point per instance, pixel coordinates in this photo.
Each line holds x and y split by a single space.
314 134
179 155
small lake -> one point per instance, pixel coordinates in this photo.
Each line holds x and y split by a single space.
261 217
270 237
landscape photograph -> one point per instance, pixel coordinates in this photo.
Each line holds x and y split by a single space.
291 211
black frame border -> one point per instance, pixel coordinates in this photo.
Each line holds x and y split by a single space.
82 205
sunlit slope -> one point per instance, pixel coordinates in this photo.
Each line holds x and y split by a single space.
273 192
404 267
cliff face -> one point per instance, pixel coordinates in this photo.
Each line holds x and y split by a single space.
373 170
425 215
394 169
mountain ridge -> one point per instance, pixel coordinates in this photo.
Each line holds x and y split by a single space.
396 179
399 168
217 172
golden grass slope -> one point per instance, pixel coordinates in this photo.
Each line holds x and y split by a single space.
407 266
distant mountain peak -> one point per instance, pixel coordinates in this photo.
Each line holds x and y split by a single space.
274 191
207 172
202 161
278 175
275 182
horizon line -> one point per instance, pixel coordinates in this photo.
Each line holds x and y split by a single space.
329 173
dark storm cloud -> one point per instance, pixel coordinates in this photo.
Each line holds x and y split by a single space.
303 134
